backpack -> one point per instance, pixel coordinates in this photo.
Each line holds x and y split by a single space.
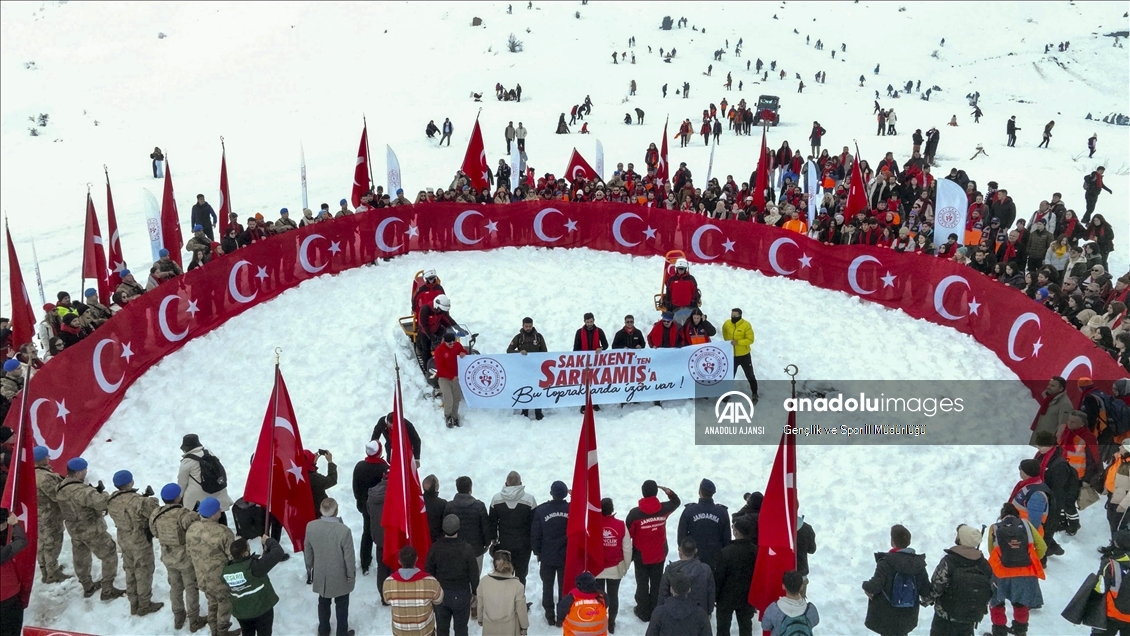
1089 182
795 626
1117 414
1122 601
1101 420
904 591
966 598
1013 536
213 477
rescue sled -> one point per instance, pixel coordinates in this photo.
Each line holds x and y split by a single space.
410 325
672 257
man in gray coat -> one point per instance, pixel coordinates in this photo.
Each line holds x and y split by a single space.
698 574
332 564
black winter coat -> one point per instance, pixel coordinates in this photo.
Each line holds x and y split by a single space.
474 527
701 579
453 564
625 340
365 476
435 505
510 524
547 534
805 545
1063 482
320 483
679 616
882 617
733 574
708 524
374 507
381 432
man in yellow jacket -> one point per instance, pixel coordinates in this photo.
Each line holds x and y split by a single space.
738 332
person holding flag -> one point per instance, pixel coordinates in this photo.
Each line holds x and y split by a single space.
11 587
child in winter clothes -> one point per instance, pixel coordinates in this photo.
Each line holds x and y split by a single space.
792 609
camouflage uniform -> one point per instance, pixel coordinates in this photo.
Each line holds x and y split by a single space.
83 510
130 512
168 524
209 546
50 525
96 314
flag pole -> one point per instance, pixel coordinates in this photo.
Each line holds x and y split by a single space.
82 277
271 470
792 371
19 439
38 276
368 155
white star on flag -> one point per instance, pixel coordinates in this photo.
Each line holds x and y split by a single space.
805 260
729 245
1036 348
192 308
296 471
492 227
262 273
118 267
571 225
973 305
888 280
127 353
649 233
335 247
63 412
412 231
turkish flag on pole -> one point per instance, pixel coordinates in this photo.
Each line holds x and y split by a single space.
225 193
277 480
94 254
776 526
579 168
23 317
404 518
857 193
361 183
585 531
762 182
117 260
475 161
170 221
661 171
21 497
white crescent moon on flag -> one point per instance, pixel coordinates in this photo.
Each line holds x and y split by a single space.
53 453
940 295
284 424
163 321
233 289
696 241
304 256
1016 325
773 255
617 225
853 273
1078 361
99 374
459 234
381 244
538 220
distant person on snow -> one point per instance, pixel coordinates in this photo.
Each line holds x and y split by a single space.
431 130
158 158
447 130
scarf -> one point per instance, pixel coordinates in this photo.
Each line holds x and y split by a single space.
1009 252
1045 400
1022 484
375 459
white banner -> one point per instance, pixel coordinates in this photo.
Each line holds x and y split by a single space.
950 209
302 156
812 189
599 160
710 166
515 165
550 380
393 172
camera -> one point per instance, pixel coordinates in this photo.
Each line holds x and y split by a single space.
323 452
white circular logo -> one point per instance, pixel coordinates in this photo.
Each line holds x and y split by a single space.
947 217
708 366
485 377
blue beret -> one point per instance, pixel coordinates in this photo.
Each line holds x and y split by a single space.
125 272
122 477
170 492
197 228
11 364
209 507
162 252
343 202
91 292
39 453
76 464
284 211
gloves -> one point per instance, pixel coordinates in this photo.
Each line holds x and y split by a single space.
100 487
148 491
474 608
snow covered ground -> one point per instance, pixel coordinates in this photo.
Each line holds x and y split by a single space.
269 77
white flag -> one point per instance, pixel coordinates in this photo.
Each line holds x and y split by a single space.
710 166
515 166
599 160
305 198
38 276
153 224
812 189
950 210
393 171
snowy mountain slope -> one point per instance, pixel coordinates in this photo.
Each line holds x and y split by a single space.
269 76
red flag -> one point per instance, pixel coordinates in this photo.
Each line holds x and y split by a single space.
361 183
404 517
475 161
278 469
661 171
762 183
857 193
776 526
170 221
117 261
585 548
23 317
94 253
21 497
225 194
578 168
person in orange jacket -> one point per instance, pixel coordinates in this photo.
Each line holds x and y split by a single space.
697 329
1015 550
1114 565
583 611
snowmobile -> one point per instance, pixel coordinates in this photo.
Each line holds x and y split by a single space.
681 314
421 347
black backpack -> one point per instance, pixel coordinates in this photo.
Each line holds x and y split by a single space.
213 477
1120 575
966 599
1013 536
1089 182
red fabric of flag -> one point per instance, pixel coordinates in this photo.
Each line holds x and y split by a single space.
117 261
579 168
776 526
21 498
361 183
762 182
857 192
661 171
404 518
23 317
475 161
225 195
94 254
170 221
585 531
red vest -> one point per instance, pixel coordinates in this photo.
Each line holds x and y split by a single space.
613 532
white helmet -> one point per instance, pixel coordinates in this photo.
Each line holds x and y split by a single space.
429 273
682 264
442 303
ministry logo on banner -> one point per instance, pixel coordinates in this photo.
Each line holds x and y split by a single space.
485 377
709 365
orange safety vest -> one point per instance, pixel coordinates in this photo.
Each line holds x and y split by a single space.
1112 472
1025 495
587 616
1034 568
1112 592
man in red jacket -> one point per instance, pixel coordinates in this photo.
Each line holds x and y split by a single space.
13 596
647 526
682 288
447 370
665 333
